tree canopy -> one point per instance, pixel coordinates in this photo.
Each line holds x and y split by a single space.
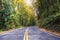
17 13
49 14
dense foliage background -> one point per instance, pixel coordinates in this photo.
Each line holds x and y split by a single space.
16 13
49 14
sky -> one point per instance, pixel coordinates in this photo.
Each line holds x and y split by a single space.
28 2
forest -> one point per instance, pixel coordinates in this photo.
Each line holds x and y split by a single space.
17 13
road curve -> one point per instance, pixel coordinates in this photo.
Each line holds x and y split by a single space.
33 34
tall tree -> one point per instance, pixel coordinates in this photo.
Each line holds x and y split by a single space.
49 13
2 15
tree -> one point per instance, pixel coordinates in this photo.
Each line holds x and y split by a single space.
2 15
49 13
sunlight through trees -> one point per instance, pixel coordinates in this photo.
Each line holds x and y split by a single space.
17 13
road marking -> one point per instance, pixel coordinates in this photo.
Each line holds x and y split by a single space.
26 35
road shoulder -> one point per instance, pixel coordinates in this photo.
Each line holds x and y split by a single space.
50 32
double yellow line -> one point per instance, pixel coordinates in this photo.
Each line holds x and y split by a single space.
26 35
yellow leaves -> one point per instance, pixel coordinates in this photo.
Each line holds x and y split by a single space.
29 18
13 1
27 8
20 1
17 1
30 11
17 11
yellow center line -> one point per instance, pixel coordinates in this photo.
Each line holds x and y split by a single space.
26 35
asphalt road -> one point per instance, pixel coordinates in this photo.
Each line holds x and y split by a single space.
33 34
36 34
17 34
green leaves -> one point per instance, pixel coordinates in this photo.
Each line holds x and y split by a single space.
48 13
14 14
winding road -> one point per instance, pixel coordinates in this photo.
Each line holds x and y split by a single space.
30 33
